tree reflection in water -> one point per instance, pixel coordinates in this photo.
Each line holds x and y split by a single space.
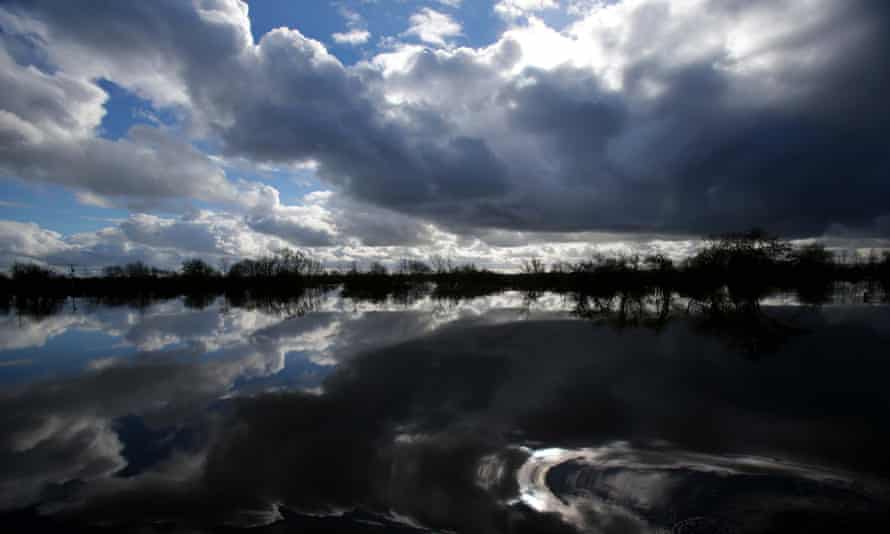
454 415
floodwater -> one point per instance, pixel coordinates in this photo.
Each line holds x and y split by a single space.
505 413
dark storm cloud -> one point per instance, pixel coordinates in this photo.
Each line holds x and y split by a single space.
687 131
698 158
708 153
409 164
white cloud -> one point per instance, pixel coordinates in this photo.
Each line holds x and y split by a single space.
357 33
433 27
20 240
353 37
336 231
39 107
512 9
48 125
17 334
52 450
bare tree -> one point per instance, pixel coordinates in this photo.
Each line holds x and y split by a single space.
407 266
198 268
533 266
377 268
441 265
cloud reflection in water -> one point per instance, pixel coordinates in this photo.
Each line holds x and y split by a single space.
460 418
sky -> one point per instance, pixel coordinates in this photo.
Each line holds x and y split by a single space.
483 131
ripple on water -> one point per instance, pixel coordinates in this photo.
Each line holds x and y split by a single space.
662 489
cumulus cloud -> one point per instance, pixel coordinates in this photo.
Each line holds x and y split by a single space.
29 240
357 33
512 9
47 133
353 37
639 116
336 231
160 241
147 168
433 27
51 111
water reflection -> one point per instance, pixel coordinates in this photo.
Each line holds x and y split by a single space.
619 487
503 413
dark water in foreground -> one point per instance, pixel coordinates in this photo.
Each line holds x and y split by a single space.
508 413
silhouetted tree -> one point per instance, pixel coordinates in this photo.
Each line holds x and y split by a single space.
533 266
744 252
30 273
296 263
284 262
441 264
466 269
561 267
198 269
113 271
378 269
139 269
407 266
812 259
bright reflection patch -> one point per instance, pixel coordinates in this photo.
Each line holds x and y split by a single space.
618 484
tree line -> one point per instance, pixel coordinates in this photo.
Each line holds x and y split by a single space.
752 258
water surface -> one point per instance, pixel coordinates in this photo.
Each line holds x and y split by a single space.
513 412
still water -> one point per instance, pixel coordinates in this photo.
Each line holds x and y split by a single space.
513 412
